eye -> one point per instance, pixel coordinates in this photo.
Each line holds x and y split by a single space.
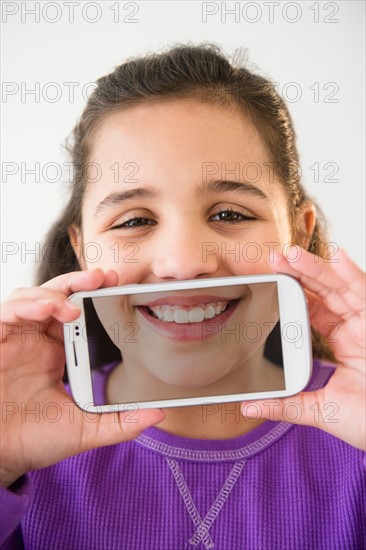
231 216
134 222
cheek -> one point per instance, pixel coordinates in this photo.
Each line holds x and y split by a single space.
126 258
254 254
251 258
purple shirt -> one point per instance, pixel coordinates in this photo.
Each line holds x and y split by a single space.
280 486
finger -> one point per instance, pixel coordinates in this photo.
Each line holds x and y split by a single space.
313 409
302 408
328 281
45 291
110 278
338 333
340 273
321 319
16 311
332 301
350 271
77 281
113 428
37 293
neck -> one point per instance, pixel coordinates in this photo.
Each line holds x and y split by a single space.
213 421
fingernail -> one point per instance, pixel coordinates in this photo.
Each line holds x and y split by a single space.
277 255
162 414
71 306
250 408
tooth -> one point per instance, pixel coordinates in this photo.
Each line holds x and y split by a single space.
181 316
196 315
168 315
173 313
209 312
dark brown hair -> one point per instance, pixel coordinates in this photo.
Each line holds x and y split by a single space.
200 72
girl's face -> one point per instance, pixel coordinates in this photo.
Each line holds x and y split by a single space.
182 190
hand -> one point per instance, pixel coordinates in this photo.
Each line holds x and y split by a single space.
336 297
41 424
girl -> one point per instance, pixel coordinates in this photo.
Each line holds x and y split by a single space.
173 137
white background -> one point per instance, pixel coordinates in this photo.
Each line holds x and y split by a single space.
297 45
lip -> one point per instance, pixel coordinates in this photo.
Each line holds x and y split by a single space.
184 332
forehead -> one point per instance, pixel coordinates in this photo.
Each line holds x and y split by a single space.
180 132
175 147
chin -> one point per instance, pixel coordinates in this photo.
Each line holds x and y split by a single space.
190 380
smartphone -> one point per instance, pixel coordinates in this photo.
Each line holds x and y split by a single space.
191 342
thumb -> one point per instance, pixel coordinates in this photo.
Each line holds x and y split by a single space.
109 428
305 408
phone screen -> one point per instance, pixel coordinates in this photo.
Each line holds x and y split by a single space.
187 343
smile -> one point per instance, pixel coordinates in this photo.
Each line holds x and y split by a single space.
183 314
187 322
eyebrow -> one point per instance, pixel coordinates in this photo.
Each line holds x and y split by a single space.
114 199
244 188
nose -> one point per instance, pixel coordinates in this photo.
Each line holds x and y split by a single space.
184 254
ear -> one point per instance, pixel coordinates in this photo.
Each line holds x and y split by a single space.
305 223
76 241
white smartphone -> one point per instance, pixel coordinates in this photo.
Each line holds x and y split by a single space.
191 342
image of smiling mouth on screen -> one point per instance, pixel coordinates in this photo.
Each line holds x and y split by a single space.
187 343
